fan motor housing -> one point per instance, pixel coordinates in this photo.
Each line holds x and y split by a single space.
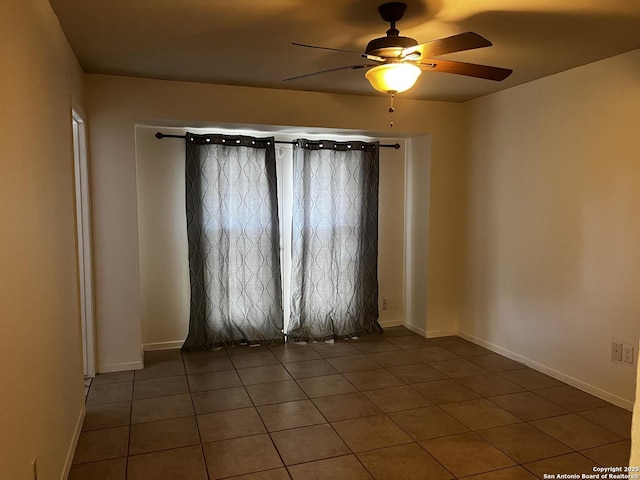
389 46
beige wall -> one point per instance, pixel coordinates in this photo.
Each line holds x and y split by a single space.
551 255
635 427
416 277
116 104
163 246
41 399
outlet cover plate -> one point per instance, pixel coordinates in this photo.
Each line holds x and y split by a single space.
627 354
616 351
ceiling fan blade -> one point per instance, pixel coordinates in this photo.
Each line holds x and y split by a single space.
325 48
468 69
348 67
442 46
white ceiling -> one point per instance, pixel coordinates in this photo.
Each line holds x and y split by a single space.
248 42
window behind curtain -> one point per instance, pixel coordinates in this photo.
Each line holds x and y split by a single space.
233 232
334 283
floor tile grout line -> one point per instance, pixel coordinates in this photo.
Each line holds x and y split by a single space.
257 412
195 416
126 462
386 415
516 415
87 398
417 442
330 425
315 407
563 443
510 457
160 450
265 426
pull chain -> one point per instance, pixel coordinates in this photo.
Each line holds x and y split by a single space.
391 109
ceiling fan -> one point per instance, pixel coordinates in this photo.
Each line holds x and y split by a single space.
399 61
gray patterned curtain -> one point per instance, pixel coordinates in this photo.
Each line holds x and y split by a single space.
334 281
232 226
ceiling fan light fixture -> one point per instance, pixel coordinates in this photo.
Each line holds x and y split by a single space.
393 77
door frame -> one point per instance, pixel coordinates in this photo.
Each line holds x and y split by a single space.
84 241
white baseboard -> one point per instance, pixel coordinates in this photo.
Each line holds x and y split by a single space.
120 367
414 329
74 443
391 323
574 382
148 347
441 333
430 333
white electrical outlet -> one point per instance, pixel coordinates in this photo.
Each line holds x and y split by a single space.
385 303
627 353
616 351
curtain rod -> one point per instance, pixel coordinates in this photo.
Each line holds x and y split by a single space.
160 135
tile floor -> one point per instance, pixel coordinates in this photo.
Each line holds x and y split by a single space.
392 406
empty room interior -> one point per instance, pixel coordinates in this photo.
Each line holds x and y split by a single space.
350 281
